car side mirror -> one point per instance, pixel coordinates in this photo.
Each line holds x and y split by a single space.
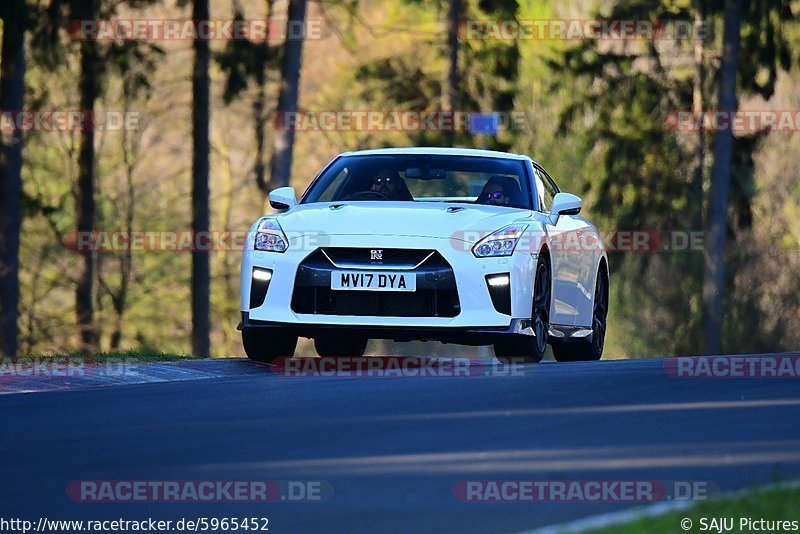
565 204
283 198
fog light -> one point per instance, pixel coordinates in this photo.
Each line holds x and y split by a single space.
264 275
499 286
498 280
259 286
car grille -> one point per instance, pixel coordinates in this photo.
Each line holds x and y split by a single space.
436 294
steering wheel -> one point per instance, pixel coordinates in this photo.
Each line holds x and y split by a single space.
368 195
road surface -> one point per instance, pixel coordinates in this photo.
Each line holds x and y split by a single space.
392 450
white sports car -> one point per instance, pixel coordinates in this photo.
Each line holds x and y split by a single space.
461 246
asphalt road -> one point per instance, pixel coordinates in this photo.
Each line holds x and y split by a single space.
393 449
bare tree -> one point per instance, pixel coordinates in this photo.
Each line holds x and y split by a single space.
201 267
281 163
714 277
12 96
450 80
89 87
260 111
130 145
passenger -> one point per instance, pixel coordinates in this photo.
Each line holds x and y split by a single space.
500 191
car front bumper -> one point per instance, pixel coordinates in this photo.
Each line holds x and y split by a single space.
460 335
476 310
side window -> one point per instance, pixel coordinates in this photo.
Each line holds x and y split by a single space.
543 205
550 190
332 191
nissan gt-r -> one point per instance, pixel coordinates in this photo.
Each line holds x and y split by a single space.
461 246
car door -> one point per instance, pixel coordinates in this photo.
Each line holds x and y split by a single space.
564 303
580 248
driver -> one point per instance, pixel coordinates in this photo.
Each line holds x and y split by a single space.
387 183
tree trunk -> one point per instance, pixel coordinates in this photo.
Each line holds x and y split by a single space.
260 110
89 91
281 163
201 268
120 299
450 80
12 96
714 277
260 132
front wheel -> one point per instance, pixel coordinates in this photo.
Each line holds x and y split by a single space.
265 345
531 349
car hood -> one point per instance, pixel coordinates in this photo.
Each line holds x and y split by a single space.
468 222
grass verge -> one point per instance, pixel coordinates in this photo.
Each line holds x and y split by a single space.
774 505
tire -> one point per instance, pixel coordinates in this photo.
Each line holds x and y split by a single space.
332 346
531 349
266 345
589 350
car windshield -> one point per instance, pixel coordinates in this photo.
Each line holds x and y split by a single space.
423 178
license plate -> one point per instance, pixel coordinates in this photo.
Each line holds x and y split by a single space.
373 281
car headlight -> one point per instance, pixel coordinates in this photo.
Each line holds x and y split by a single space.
270 236
499 243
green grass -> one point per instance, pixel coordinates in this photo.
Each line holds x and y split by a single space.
772 505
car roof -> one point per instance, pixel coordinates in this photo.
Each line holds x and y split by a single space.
438 151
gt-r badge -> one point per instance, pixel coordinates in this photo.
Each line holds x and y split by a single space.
376 254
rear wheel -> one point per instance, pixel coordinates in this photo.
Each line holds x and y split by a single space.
531 349
588 350
340 345
265 345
